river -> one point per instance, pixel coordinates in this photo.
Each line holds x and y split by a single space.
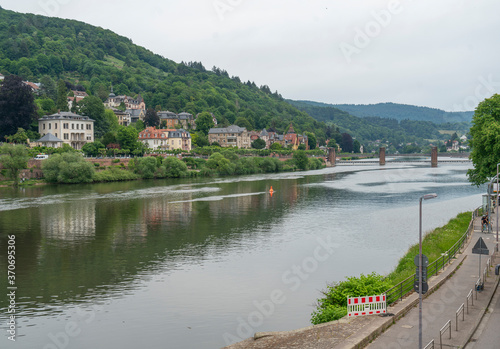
201 263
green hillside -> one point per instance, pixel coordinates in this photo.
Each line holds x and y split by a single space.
47 49
400 112
370 129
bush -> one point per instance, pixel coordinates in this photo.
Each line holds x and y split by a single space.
68 168
145 167
96 164
114 174
334 305
115 161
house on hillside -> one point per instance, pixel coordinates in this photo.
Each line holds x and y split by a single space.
74 130
114 101
166 139
135 115
294 140
77 97
185 120
232 136
123 117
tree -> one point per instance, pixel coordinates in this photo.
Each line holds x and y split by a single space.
204 122
13 158
48 87
301 160
151 118
62 96
276 146
346 144
175 168
92 107
258 144
93 148
356 146
311 140
243 122
68 168
485 142
20 137
17 106
127 137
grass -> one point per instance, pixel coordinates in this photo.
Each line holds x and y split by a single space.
434 243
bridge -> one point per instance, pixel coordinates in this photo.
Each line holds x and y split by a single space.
399 158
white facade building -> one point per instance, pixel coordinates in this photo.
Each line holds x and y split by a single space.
74 130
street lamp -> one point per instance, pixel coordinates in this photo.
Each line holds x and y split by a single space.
420 266
496 204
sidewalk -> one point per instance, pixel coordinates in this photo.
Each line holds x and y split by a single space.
447 292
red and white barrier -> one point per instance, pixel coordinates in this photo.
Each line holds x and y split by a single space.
368 305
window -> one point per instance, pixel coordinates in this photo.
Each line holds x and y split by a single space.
56 134
44 126
66 136
55 126
82 126
65 126
50 125
72 126
89 127
77 125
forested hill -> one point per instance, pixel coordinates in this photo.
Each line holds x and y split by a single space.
400 112
48 49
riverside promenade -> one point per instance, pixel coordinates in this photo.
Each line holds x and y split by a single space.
452 311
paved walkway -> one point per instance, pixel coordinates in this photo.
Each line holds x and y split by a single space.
447 292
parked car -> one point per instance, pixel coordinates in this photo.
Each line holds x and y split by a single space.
41 157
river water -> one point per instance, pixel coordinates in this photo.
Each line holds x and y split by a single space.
201 263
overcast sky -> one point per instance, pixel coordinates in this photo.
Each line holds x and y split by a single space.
442 54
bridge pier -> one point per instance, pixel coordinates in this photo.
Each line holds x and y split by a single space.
434 157
381 156
332 156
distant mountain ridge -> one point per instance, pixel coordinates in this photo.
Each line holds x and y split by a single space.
399 112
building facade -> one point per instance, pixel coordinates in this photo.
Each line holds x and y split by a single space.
74 130
166 139
232 136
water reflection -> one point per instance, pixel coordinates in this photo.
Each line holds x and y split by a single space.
196 253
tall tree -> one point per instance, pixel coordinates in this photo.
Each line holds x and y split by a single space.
151 118
92 107
17 106
62 96
204 122
485 142
346 144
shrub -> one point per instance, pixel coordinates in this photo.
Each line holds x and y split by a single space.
115 161
114 174
334 305
145 167
96 164
68 168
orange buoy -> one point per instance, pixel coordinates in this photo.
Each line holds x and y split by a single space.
271 191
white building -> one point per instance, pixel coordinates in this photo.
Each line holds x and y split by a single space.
74 130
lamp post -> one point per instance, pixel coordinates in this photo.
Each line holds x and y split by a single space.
496 204
423 197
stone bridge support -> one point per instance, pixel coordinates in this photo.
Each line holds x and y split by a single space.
434 157
331 156
381 156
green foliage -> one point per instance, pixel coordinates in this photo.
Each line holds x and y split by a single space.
20 137
68 168
127 137
93 148
301 160
92 107
151 118
259 144
220 164
17 106
175 168
485 142
62 96
13 158
275 146
145 167
204 123
114 174
330 307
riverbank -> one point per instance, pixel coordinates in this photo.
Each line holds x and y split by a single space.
326 335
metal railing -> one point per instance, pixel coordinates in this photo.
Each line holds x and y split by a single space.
399 291
442 330
430 345
457 314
